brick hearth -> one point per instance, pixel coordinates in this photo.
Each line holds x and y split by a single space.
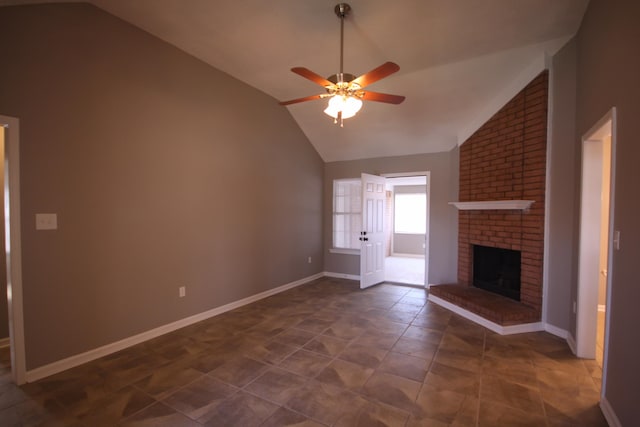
498 309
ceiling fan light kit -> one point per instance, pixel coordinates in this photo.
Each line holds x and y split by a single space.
344 90
343 106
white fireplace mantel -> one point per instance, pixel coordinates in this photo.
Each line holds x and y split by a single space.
493 205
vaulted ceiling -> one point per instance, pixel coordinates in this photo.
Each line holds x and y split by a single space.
460 60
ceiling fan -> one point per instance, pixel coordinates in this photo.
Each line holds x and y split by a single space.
346 90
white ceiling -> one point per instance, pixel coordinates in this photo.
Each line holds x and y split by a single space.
460 60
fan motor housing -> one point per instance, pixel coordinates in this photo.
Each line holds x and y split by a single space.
346 77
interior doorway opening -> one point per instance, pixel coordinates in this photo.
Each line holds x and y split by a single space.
407 228
597 239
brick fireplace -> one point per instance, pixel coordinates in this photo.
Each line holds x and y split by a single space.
506 160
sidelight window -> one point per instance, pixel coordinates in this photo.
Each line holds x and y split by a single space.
347 213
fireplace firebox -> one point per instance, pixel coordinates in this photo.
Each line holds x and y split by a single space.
497 270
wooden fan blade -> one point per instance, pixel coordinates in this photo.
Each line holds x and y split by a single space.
310 75
376 74
382 97
306 98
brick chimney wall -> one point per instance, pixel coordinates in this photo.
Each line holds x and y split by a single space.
506 160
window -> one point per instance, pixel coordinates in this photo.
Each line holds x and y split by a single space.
410 212
347 218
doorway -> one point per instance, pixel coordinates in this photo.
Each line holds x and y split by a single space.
597 239
12 243
407 225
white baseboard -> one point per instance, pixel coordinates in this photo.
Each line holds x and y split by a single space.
341 275
499 329
79 359
554 330
403 255
609 414
5 342
572 344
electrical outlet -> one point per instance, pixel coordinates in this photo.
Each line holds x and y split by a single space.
182 291
309 260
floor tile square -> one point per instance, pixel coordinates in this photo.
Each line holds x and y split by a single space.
369 357
276 385
240 410
239 371
393 390
403 365
305 363
345 374
195 399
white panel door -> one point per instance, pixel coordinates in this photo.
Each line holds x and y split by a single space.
372 234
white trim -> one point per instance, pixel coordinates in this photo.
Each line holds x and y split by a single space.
5 342
520 205
548 192
571 341
407 175
608 412
344 251
342 276
554 330
79 359
401 255
613 116
427 237
499 329
13 245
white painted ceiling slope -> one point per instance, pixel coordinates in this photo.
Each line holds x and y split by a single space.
460 60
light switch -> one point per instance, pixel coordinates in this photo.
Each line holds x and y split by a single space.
46 221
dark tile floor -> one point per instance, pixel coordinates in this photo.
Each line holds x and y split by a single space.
322 354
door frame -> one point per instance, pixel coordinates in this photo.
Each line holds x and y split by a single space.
427 216
587 295
13 246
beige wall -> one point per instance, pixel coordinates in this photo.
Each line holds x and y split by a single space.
608 67
564 189
443 217
163 172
